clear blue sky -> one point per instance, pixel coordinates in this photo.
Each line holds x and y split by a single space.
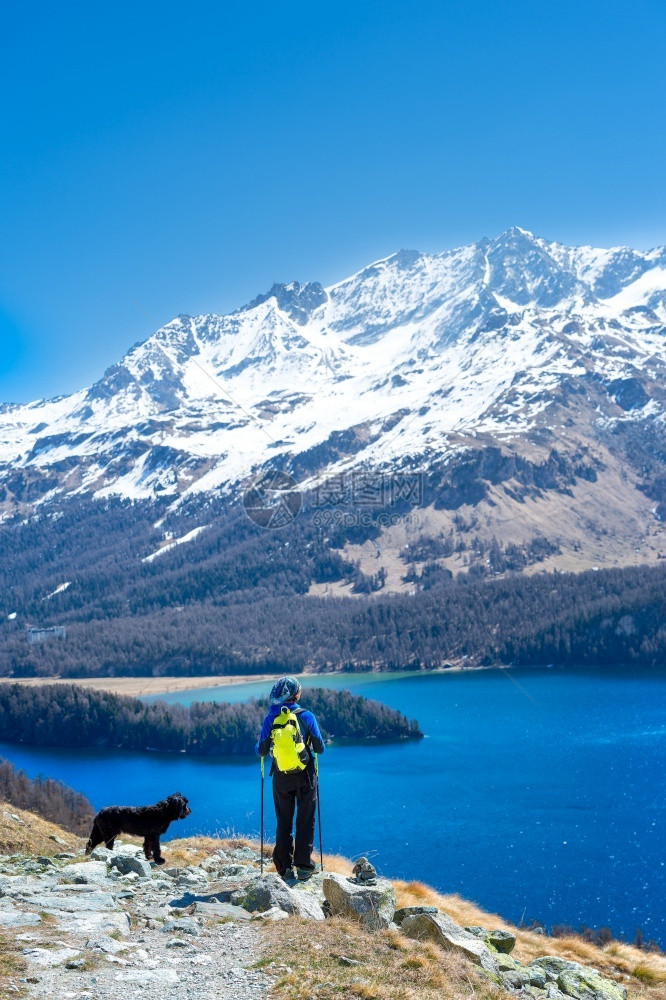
188 155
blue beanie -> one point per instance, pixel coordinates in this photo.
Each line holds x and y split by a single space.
286 689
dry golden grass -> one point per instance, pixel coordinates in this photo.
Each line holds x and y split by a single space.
646 971
306 960
32 835
12 968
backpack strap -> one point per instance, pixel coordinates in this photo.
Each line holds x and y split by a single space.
307 736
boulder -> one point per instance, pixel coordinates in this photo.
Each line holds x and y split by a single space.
182 925
502 941
373 905
244 854
94 924
515 980
445 932
106 944
552 966
506 964
236 869
228 910
15 918
410 911
128 864
50 956
313 886
581 982
537 977
270 891
589 985
54 902
86 873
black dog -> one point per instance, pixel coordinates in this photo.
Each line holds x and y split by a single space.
148 822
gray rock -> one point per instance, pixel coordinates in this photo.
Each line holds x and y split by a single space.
182 925
313 886
128 864
77 901
227 870
86 873
537 977
502 941
76 963
515 979
50 956
162 976
581 982
244 854
440 928
269 891
410 911
17 918
589 985
106 944
305 905
227 910
275 913
54 902
373 905
94 924
552 965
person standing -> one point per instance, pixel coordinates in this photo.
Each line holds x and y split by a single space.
290 734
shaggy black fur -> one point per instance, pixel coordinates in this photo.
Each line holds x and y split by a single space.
148 822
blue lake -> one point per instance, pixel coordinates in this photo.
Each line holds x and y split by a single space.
538 794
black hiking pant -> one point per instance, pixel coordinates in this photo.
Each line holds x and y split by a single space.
294 793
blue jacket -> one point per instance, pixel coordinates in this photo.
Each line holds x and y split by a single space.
307 721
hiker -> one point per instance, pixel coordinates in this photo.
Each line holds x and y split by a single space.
292 737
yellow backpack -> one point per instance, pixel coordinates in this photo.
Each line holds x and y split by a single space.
289 750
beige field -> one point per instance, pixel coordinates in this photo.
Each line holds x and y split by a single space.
139 687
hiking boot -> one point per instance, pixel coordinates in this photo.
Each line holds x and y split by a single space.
305 873
288 876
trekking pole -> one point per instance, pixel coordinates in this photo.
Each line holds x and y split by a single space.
321 849
261 860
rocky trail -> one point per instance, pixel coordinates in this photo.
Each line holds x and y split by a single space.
116 925
108 927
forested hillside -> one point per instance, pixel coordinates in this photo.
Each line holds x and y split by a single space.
52 800
235 600
68 715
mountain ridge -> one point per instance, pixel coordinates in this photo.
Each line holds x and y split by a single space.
416 362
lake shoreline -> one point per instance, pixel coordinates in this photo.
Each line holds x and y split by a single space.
142 687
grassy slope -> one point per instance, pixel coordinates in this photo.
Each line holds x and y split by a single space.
306 957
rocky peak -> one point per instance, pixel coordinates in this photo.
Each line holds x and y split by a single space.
298 300
522 270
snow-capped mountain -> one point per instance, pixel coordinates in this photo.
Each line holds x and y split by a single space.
514 343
